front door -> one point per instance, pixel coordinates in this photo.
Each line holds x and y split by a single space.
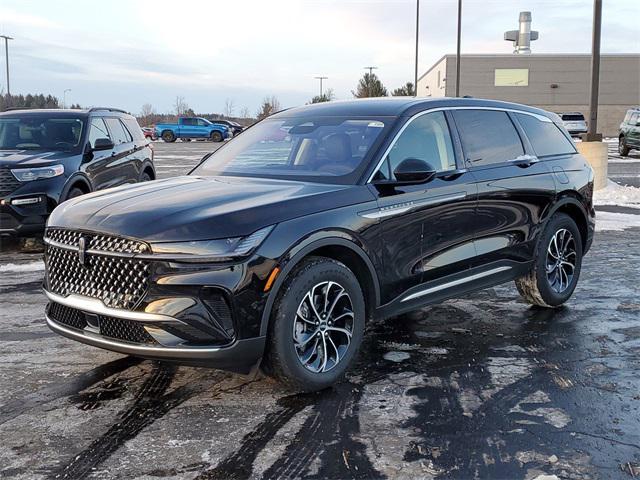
425 228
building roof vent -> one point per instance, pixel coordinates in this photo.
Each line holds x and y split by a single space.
522 38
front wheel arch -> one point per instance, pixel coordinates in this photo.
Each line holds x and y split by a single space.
76 181
330 247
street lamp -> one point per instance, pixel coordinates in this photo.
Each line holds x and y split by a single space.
371 69
6 54
321 78
64 95
415 78
458 48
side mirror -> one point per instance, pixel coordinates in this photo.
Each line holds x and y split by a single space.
413 171
103 144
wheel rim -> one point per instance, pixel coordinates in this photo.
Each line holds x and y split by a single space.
561 260
323 327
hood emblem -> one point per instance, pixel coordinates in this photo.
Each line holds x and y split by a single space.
82 251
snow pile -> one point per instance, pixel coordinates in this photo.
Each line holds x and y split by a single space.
22 267
614 194
608 221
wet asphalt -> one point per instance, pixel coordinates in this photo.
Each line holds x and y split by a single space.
480 387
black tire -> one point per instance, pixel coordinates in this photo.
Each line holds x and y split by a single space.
282 359
623 149
168 136
145 177
74 192
216 137
544 287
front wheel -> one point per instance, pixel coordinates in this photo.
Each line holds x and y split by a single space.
216 137
623 149
557 264
316 326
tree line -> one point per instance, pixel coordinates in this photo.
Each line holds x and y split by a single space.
38 100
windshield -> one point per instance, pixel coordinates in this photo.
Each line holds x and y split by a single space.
40 132
317 149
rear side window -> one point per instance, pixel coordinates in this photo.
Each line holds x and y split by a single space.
134 129
545 137
97 130
118 132
488 136
573 117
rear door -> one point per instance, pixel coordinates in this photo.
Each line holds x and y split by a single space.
123 163
514 187
426 228
139 144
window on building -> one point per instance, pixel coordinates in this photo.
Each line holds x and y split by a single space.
545 137
488 136
511 77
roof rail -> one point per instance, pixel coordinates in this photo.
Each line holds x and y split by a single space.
20 108
109 109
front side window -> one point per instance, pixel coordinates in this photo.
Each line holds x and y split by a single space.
40 132
97 130
189 122
202 122
322 149
488 136
425 138
545 137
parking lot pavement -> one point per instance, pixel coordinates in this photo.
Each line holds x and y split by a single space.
173 159
623 170
484 386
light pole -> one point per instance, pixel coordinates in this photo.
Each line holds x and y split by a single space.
371 69
321 78
415 77
592 129
458 48
64 95
6 55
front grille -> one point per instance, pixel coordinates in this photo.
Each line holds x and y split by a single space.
120 282
8 183
116 328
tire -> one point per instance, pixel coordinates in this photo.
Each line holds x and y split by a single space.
145 177
295 345
216 137
623 149
551 282
168 136
74 192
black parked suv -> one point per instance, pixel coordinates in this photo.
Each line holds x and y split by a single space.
49 156
279 246
235 127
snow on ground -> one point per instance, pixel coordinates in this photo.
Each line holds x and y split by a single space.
608 221
614 194
22 267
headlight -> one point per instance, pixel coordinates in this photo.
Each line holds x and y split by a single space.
29 174
211 250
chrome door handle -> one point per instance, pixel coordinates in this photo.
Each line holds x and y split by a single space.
525 160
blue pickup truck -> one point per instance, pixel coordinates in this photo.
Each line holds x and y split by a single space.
193 127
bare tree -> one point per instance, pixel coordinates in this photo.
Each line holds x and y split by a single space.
180 106
229 107
146 111
270 105
244 113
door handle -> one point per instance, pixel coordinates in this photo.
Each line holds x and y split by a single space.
525 160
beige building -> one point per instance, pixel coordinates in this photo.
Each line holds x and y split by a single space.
558 83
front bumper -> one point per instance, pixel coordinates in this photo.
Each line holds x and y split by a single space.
152 338
25 219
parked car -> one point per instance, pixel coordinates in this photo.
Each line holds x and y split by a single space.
149 133
49 156
279 249
629 137
192 127
235 127
574 122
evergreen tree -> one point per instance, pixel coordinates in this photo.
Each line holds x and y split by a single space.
325 97
370 86
406 90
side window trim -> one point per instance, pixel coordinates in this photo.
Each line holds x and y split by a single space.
385 152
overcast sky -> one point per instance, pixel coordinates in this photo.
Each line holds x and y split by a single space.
126 53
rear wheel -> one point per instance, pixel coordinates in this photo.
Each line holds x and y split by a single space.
623 149
316 326
168 136
145 177
557 264
216 137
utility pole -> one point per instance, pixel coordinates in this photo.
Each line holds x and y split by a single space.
458 48
592 129
64 96
415 77
6 55
321 78
371 69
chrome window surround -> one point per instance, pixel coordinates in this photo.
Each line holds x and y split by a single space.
542 118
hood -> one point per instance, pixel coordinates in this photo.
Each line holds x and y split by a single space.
200 208
31 158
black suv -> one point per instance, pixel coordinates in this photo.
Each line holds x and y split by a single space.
279 246
235 127
49 156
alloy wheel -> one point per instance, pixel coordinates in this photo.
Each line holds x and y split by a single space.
561 260
323 327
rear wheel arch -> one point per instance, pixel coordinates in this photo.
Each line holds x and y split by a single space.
341 250
149 170
572 207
